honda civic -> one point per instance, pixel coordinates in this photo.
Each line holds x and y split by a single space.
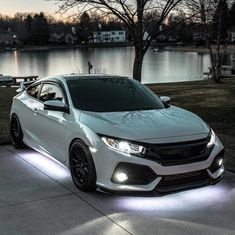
114 133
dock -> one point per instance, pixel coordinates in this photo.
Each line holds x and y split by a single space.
14 81
25 79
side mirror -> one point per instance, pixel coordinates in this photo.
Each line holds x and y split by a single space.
56 105
165 99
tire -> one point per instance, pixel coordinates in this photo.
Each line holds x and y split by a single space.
16 133
82 167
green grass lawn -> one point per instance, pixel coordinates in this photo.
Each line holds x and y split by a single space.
6 95
214 103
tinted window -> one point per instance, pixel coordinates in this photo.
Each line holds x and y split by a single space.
111 95
34 90
50 92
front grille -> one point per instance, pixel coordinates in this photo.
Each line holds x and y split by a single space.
185 180
179 153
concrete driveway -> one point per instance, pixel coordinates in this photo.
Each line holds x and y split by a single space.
37 196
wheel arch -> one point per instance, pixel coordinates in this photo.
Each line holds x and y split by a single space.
90 184
16 138
13 114
86 135
73 140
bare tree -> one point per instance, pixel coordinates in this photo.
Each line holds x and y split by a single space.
137 15
213 15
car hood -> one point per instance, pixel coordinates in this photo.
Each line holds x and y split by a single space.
150 124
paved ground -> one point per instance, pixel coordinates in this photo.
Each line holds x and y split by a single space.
37 196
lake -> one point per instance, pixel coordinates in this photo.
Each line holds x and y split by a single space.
164 66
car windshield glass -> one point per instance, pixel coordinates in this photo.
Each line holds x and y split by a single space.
111 94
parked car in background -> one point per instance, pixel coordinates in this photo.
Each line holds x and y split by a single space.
114 133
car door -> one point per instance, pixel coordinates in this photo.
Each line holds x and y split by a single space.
28 115
53 124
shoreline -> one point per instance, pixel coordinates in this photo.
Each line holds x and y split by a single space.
194 82
163 46
61 47
199 49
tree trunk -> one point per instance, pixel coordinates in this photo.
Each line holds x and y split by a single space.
137 68
217 74
215 64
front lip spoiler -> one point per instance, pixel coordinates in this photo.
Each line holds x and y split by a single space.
212 179
162 191
165 190
188 186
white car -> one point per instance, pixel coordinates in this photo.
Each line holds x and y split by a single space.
114 133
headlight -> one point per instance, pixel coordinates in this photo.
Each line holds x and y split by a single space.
123 146
212 139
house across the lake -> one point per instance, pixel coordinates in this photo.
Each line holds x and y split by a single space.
63 38
109 36
7 38
232 33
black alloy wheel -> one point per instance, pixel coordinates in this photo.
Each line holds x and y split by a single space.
16 133
82 167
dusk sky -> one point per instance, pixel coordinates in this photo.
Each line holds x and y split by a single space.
10 7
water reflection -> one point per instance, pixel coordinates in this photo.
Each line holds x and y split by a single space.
165 66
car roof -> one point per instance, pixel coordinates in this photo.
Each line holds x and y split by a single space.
90 76
69 77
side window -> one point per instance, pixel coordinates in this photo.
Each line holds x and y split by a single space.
34 90
51 92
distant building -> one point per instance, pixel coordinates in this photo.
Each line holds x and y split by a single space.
70 39
60 34
199 35
8 38
161 37
109 36
62 38
57 38
233 36
232 32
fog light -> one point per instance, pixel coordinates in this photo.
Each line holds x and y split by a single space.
121 177
220 162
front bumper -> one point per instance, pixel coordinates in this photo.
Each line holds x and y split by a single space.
163 178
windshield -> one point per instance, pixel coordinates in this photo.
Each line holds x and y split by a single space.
111 94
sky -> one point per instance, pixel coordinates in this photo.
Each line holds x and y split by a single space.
10 7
